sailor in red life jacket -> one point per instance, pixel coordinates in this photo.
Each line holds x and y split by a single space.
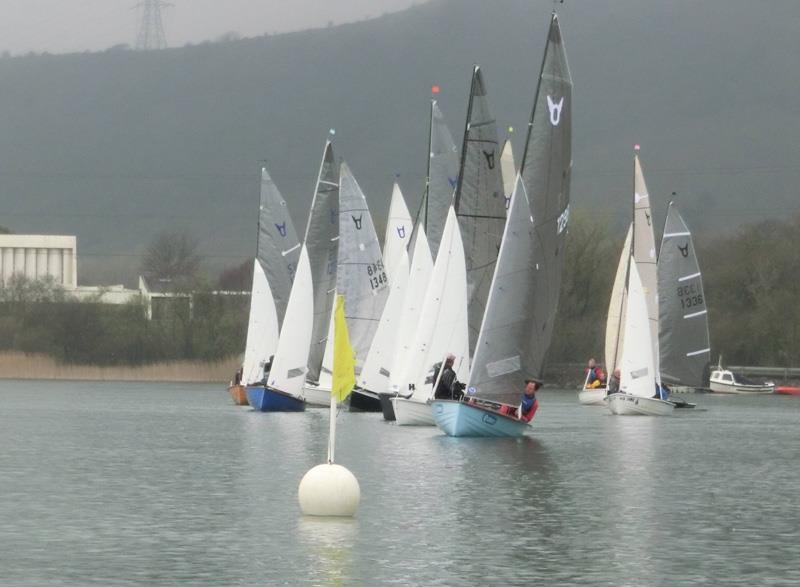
594 375
530 404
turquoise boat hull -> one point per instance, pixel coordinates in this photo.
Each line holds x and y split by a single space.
463 419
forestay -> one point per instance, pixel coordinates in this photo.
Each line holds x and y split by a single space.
546 169
262 328
291 357
637 368
361 276
479 202
683 317
321 240
278 247
615 323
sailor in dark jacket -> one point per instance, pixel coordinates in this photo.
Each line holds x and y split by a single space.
448 386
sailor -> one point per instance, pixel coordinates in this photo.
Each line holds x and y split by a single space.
237 377
594 375
448 386
267 369
529 404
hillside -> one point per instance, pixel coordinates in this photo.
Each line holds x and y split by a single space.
119 145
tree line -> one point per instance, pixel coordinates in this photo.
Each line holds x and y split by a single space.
751 281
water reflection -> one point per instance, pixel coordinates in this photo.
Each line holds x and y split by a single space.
329 544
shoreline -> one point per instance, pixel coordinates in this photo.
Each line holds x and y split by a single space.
14 365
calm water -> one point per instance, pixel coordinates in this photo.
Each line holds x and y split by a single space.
163 484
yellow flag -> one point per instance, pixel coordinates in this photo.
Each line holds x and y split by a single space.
344 365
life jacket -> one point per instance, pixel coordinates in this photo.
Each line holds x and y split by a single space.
528 416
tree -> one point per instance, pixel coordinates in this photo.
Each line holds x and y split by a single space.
172 257
239 278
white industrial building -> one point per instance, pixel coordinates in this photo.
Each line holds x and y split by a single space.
37 256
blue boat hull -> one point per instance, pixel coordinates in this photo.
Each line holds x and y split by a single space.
265 399
462 419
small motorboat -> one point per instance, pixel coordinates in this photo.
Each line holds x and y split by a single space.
787 390
725 381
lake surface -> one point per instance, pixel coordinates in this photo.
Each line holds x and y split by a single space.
164 484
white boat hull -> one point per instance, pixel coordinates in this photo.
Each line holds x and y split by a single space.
316 396
592 397
407 412
623 404
741 389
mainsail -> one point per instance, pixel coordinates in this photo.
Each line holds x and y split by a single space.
683 317
278 247
361 276
398 231
479 202
545 169
321 240
644 252
441 181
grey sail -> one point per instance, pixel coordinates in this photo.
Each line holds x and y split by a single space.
683 317
546 168
506 352
278 247
322 235
479 202
361 277
441 181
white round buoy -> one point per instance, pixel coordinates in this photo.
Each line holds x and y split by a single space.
329 490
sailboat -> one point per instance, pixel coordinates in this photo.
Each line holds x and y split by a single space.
284 389
322 241
517 324
278 252
683 316
637 365
361 279
615 324
442 330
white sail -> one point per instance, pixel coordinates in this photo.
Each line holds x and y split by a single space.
442 326
398 232
637 367
508 169
376 373
291 357
644 252
615 322
262 327
326 369
419 276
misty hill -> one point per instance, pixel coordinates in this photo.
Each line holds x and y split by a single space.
119 145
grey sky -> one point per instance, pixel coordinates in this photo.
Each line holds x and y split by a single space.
60 26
